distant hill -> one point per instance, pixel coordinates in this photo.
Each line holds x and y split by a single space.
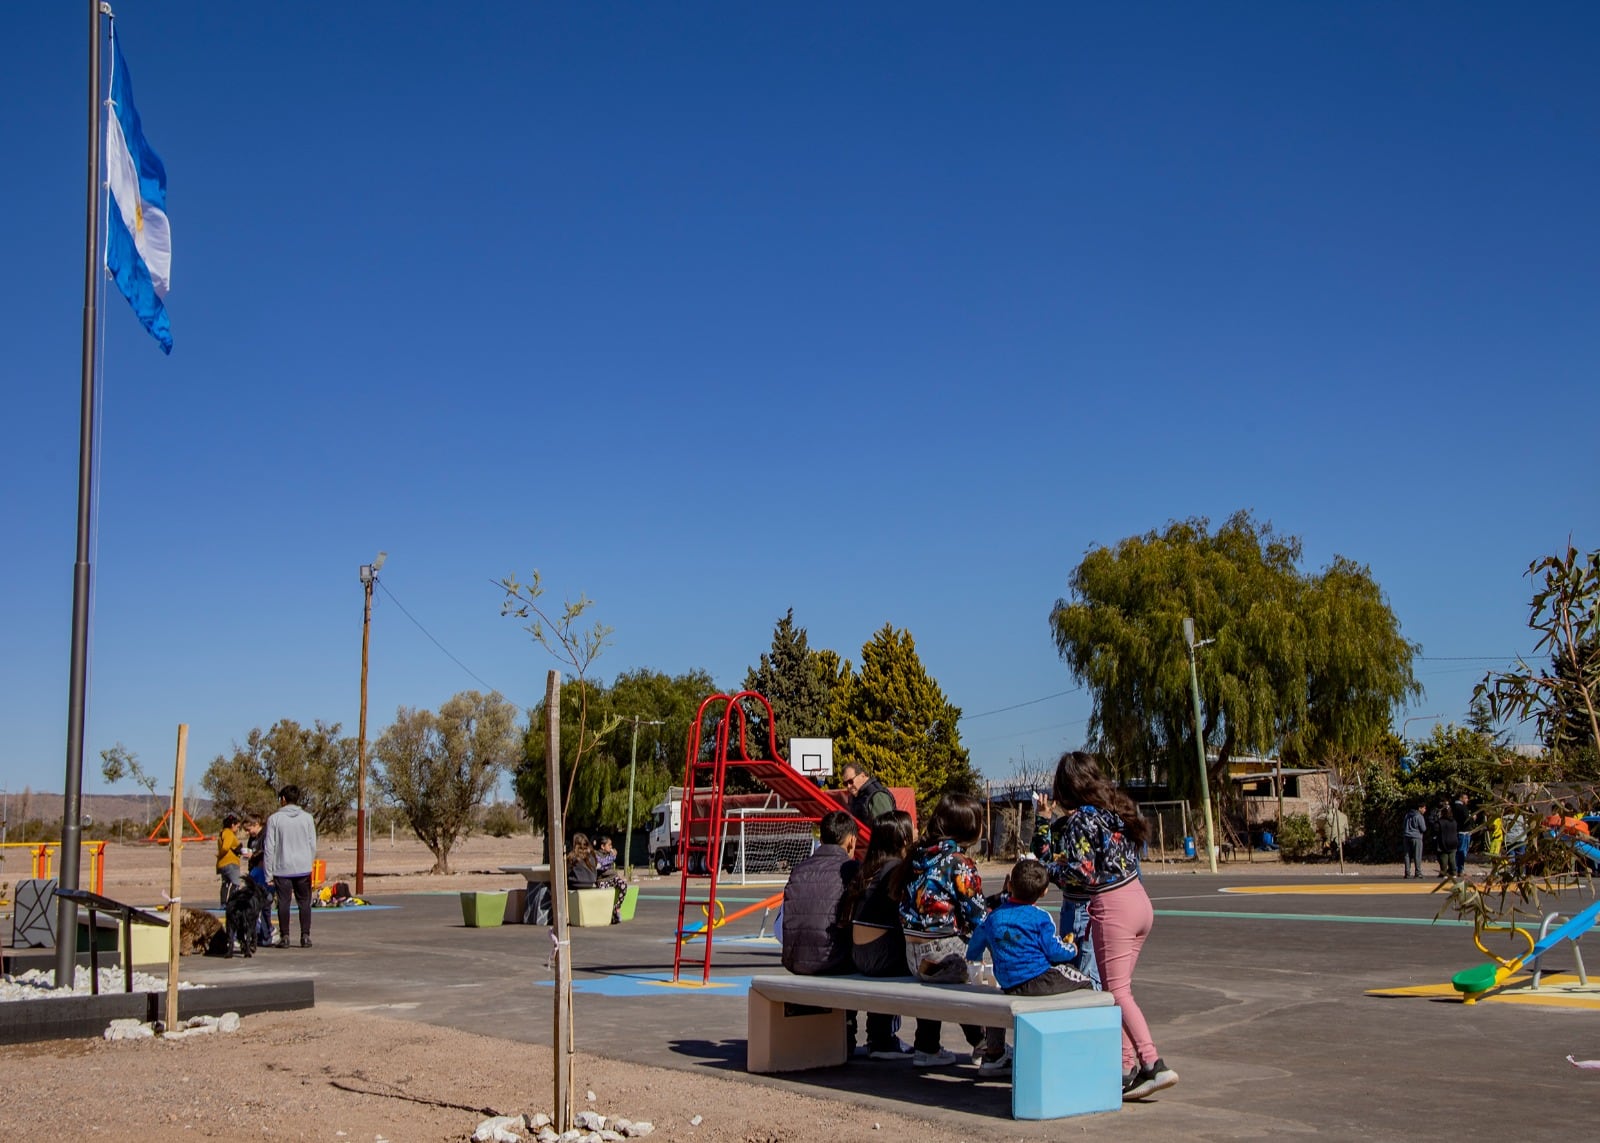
26 806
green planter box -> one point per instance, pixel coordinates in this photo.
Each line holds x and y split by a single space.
630 902
482 910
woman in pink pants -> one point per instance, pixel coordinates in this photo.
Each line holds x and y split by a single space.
1095 855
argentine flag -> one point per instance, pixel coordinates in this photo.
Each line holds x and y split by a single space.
138 242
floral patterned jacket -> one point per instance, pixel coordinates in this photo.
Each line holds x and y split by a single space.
1089 852
944 894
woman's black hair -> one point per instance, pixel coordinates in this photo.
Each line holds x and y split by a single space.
229 820
957 818
1080 783
890 841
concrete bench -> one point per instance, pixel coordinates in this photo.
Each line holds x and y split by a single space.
1067 1049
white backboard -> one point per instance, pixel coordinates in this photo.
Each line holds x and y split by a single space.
813 757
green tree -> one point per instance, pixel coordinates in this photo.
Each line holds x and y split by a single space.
1563 703
315 758
1311 666
893 719
439 768
798 682
599 795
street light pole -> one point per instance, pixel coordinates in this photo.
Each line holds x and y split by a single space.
369 576
1200 741
1409 721
633 762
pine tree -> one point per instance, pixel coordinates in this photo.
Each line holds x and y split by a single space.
798 682
893 719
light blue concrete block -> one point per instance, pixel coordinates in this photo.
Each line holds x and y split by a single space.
1067 1062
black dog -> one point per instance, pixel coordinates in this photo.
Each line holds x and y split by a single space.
246 904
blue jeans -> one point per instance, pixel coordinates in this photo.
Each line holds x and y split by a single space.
1075 920
1461 853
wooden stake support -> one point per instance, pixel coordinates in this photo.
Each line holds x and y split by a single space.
175 883
561 1040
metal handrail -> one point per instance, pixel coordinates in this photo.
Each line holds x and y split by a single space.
1577 954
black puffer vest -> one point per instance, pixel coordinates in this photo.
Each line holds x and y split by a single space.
814 942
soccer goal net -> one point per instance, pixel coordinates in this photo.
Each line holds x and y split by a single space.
761 842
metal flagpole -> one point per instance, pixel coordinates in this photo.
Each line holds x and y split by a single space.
72 801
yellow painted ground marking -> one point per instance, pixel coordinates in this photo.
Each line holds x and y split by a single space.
686 984
1556 990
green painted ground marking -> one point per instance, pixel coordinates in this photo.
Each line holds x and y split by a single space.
727 900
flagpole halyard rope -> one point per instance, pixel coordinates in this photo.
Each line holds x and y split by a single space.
99 385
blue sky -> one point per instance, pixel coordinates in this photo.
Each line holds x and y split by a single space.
881 312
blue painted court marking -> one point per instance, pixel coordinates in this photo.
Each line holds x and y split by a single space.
1326 918
656 984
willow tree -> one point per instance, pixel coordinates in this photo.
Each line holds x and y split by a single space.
1307 666
894 720
664 705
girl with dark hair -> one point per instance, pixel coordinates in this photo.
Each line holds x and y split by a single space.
869 907
878 944
941 902
584 872
582 866
1095 855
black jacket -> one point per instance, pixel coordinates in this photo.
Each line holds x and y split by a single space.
582 875
871 801
1445 834
814 942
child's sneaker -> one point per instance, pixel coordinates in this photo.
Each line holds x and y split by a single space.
1149 1079
1130 1080
1000 1067
896 1049
939 1059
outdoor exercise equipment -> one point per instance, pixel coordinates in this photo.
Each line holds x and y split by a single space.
723 916
1474 982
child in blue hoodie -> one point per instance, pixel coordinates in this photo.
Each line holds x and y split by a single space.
1029 958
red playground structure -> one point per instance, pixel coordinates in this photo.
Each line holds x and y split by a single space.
706 821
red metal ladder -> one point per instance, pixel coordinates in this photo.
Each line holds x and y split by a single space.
704 822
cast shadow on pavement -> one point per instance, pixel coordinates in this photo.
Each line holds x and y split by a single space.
899 1087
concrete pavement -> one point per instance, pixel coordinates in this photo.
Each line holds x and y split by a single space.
1258 999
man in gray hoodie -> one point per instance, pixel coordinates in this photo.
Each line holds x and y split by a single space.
290 848
1412 831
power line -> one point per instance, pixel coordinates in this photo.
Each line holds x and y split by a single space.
1035 730
1020 705
436 642
1467 658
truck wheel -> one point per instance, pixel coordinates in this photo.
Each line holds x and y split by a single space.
663 864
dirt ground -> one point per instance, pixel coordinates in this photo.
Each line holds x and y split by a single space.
138 873
332 1075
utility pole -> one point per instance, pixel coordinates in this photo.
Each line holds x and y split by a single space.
633 762
369 577
1200 741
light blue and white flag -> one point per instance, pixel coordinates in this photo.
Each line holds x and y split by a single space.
138 240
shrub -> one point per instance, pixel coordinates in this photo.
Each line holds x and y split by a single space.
1297 838
500 820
